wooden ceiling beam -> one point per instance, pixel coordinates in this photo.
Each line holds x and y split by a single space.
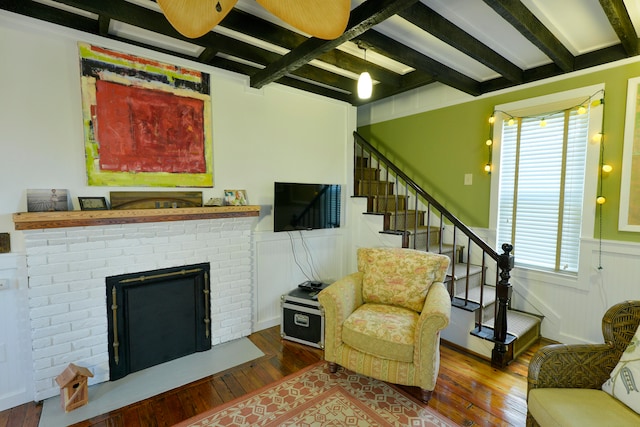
619 19
361 19
521 18
138 16
433 23
401 53
250 25
261 57
53 15
584 61
247 69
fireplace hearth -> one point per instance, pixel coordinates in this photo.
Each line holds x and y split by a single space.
157 316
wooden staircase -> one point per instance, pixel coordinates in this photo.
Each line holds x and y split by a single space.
474 301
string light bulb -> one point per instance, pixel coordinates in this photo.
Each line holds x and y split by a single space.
607 168
487 168
582 109
511 121
597 138
601 200
489 142
543 123
492 119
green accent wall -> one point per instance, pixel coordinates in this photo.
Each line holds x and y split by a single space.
437 148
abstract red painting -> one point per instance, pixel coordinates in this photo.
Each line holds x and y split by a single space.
146 123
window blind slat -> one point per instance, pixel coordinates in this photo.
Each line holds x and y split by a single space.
532 192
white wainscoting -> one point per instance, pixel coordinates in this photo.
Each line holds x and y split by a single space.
573 306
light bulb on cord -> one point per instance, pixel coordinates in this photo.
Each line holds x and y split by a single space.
511 121
487 167
581 109
543 123
365 86
607 168
601 200
489 142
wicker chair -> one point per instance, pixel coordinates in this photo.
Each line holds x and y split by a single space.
384 321
584 366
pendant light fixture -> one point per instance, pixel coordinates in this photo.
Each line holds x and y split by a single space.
365 84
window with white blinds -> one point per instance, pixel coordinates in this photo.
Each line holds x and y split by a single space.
542 179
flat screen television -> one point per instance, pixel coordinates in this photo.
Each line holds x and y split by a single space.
298 206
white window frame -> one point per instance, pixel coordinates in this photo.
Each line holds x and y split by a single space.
540 105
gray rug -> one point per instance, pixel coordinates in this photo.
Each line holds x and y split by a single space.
111 395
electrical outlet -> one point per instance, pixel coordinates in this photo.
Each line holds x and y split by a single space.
468 179
4 284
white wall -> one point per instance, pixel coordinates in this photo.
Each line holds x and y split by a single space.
259 136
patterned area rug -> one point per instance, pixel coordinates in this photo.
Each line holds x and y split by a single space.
315 397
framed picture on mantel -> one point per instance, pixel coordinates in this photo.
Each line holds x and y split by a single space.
235 197
93 203
48 200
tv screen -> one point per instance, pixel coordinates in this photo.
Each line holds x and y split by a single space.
298 206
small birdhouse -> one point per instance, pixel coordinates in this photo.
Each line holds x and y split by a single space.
74 391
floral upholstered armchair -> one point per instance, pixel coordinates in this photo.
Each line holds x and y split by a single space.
384 321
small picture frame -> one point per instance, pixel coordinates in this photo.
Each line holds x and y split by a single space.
235 197
93 203
48 200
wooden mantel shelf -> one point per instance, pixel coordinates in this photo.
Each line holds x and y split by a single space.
41 220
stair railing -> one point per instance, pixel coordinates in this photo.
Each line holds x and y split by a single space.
368 158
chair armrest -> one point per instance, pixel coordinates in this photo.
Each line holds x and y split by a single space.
436 312
572 366
338 301
434 317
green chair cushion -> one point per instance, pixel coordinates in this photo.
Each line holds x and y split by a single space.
579 407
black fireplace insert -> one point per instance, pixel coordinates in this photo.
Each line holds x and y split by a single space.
157 316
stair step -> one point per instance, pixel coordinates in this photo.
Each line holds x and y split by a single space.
362 161
461 270
524 326
420 236
373 188
389 203
403 220
474 277
367 174
488 297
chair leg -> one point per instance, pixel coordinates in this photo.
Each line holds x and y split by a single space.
426 395
333 367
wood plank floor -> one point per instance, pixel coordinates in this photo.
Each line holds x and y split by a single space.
469 391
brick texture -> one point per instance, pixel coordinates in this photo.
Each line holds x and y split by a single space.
67 269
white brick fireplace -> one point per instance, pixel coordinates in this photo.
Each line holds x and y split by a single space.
67 267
